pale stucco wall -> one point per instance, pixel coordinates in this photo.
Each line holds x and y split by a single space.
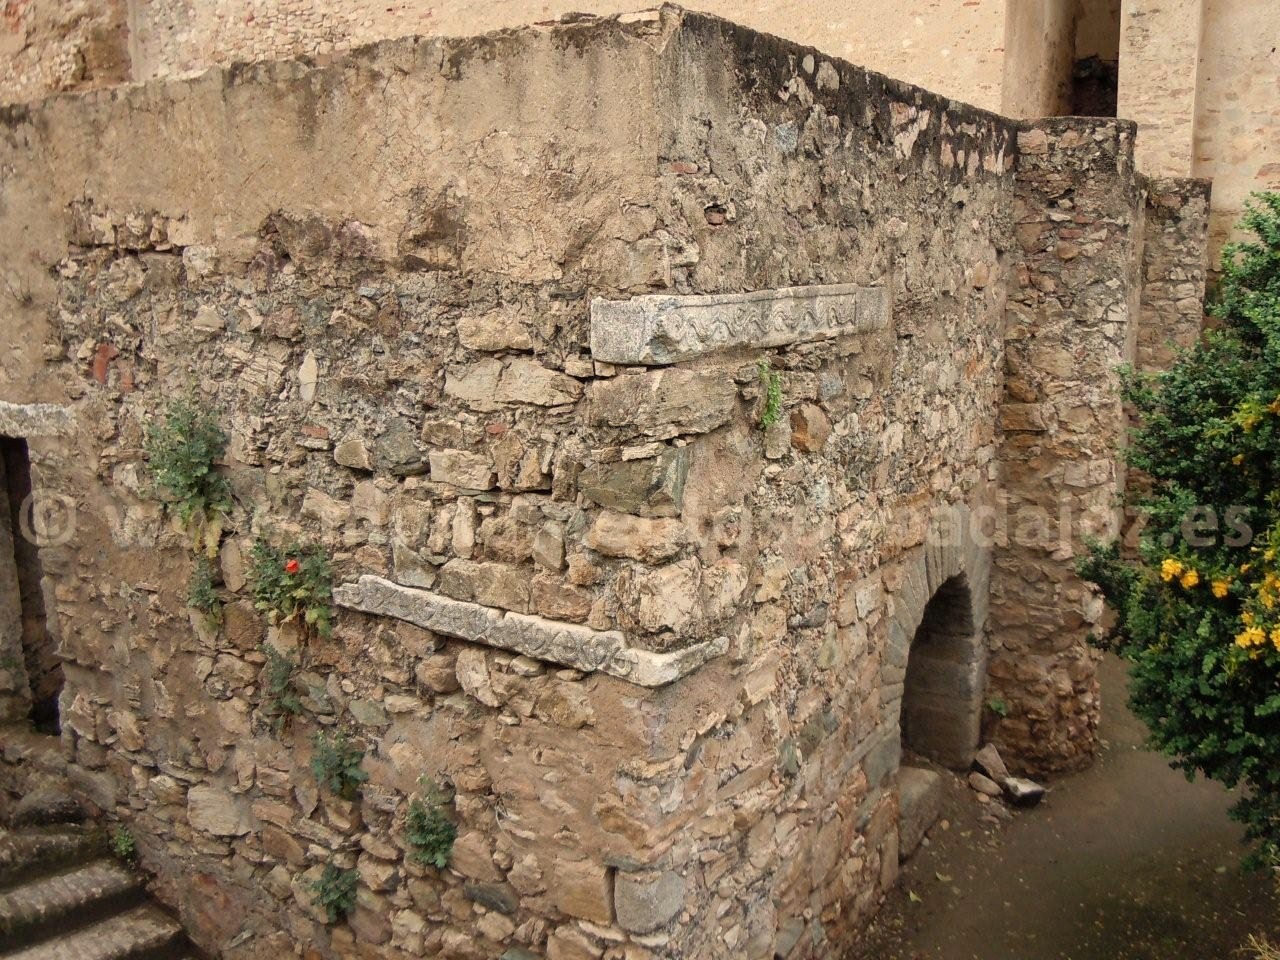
1237 130
953 47
1159 56
943 45
1039 52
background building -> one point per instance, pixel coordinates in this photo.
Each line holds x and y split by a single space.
1201 77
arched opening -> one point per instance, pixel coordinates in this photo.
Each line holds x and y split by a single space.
942 691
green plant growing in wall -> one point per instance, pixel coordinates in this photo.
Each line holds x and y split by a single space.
772 382
335 891
124 846
282 700
336 764
202 593
295 582
183 447
429 832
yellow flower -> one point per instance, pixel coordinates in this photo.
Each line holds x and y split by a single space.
1170 569
1221 588
1190 579
1249 421
1238 459
1275 638
1252 637
1246 618
1244 567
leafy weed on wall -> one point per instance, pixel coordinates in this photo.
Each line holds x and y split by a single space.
293 583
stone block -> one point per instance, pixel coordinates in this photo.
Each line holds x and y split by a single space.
919 806
665 328
461 468
527 381
656 483
664 403
569 644
218 812
648 901
581 889
636 538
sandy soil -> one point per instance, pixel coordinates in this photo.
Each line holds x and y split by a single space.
1126 861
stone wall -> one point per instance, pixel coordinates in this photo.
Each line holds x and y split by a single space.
504 349
395 329
1071 324
1198 76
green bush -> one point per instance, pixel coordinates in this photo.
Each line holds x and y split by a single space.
335 892
183 448
429 832
336 764
293 582
1198 609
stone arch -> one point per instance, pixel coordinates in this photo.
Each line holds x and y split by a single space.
935 668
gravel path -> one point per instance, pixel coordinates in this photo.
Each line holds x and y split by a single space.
1126 861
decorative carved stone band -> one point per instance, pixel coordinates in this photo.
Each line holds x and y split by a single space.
569 644
661 328
33 419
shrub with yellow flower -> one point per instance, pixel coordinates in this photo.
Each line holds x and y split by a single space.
1205 664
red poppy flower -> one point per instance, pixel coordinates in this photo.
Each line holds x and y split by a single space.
292 566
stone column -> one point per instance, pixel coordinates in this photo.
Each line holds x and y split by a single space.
1174 265
1159 72
1068 328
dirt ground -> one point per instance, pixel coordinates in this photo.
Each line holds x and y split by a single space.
1126 861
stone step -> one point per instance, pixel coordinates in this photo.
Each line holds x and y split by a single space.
33 852
142 933
65 900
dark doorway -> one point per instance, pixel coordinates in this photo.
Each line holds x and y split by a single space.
44 668
1095 76
941 701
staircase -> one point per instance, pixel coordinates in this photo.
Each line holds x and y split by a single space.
62 897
